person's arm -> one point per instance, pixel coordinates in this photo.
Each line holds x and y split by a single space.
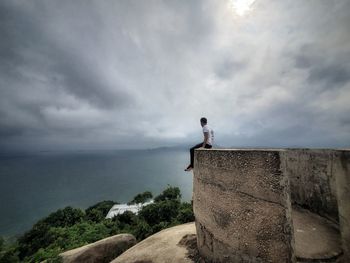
206 138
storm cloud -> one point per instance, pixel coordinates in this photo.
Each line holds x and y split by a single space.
140 74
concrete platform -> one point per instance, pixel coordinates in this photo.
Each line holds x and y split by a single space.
242 206
316 238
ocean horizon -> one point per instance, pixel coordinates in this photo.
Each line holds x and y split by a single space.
33 185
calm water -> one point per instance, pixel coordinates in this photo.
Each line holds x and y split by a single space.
32 186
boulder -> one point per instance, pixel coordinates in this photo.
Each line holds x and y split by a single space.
101 251
176 244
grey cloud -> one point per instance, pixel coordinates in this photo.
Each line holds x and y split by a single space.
31 58
332 75
10 131
324 66
85 84
324 69
228 68
30 45
128 74
345 122
306 57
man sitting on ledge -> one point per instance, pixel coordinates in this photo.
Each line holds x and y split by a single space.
207 142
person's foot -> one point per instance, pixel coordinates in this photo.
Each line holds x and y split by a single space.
189 168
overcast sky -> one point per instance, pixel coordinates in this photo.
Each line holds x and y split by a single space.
140 74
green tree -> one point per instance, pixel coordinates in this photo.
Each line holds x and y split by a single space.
185 214
2 242
69 228
141 198
79 234
40 235
8 252
162 211
170 193
98 212
95 215
142 230
160 226
126 218
48 254
9 257
64 217
66 238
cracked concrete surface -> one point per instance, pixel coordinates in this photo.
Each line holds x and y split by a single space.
242 203
242 208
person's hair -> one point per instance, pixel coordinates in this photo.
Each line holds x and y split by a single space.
204 120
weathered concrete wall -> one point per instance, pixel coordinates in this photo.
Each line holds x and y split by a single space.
242 199
242 206
341 169
312 180
320 181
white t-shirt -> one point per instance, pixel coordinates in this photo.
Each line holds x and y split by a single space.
206 128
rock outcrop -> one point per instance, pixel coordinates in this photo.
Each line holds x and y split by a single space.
176 244
101 251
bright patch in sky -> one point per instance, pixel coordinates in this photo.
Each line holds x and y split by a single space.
241 7
140 74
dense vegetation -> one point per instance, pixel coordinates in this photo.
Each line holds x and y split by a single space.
69 228
141 198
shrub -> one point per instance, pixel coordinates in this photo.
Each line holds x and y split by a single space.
126 218
40 235
9 257
2 242
162 211
64 217
185 214
69 228
49 254
170 193
8 252
142 230
141 198
98 212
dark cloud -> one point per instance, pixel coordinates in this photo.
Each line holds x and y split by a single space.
82 82
330 70
27 44
130 74
307 57
331 75
10 131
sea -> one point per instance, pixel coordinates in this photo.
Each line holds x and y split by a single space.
33 185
